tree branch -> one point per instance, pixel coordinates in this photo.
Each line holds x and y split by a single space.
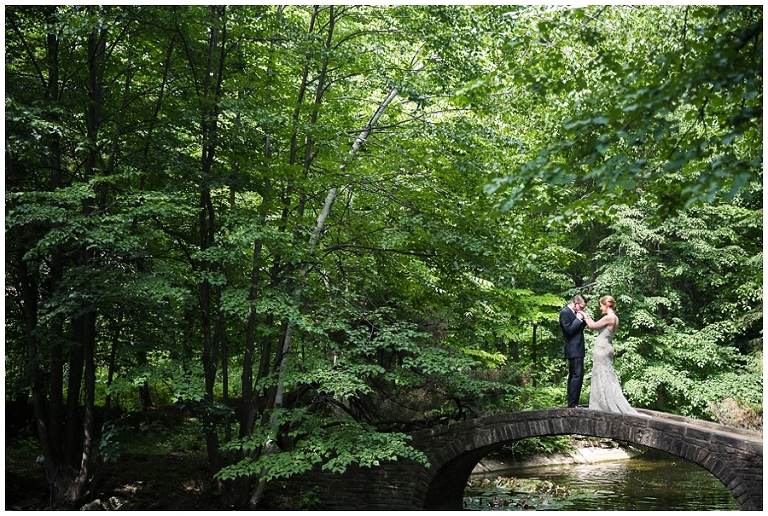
343 247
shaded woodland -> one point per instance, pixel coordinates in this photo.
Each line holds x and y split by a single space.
312 229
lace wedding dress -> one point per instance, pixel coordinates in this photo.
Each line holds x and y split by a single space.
604 388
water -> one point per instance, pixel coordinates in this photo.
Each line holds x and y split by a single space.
653 481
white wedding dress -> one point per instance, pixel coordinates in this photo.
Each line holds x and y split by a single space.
604 387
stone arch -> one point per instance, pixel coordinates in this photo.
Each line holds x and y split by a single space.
732 456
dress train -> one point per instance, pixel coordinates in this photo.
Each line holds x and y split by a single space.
604 387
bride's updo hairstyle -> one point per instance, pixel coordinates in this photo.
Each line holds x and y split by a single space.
609 302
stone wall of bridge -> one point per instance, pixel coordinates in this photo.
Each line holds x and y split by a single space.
734 456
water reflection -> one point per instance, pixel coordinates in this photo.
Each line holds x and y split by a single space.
652 481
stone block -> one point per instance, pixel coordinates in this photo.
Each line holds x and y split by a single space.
509 432
697 434
558 428
718 468
677 447
737 488
708 461
601 427
655 439
747 503
691 452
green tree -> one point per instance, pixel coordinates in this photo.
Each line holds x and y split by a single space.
691 288
285 219
674 118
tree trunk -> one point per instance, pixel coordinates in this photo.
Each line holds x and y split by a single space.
80 437
29 298
534 354
209 127
284 352
53 453
112 357
211 93
514 351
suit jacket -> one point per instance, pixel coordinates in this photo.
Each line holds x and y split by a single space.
573 333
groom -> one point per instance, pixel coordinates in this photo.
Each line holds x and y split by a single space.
572 324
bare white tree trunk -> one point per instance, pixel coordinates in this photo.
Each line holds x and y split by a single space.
315 237
330 197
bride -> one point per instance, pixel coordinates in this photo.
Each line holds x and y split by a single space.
604 388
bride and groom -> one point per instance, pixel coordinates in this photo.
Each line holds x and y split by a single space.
604 387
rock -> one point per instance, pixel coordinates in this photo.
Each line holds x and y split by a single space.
93 506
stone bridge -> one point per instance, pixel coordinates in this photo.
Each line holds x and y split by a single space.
734 456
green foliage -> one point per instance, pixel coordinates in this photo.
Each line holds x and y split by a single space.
542 396
310 500
335 447
548 445
680 125
167 233
23 446
109 445
127 433
685 290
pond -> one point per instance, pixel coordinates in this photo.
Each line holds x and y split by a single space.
652 481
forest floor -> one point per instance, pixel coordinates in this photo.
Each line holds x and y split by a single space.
173 482
178 481
158 466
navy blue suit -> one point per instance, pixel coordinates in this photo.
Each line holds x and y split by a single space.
573 336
